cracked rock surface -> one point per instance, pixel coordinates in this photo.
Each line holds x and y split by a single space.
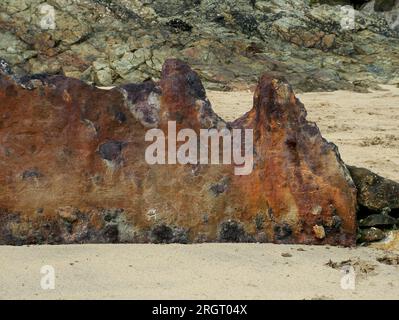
229 43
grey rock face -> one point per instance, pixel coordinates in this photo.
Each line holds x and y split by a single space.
388 9
316 47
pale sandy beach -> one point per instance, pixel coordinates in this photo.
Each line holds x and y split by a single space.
206 271
365 128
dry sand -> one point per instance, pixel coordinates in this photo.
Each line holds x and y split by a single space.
365 128
205 271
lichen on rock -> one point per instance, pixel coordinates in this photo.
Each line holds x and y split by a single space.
229 42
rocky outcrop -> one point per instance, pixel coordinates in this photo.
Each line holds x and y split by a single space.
375 192
378 200
389 9
229 42
73 167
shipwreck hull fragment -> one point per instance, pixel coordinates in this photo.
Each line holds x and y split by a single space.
73 169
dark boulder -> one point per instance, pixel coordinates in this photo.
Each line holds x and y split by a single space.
375 192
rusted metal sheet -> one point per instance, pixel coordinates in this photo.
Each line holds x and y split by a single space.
73 167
